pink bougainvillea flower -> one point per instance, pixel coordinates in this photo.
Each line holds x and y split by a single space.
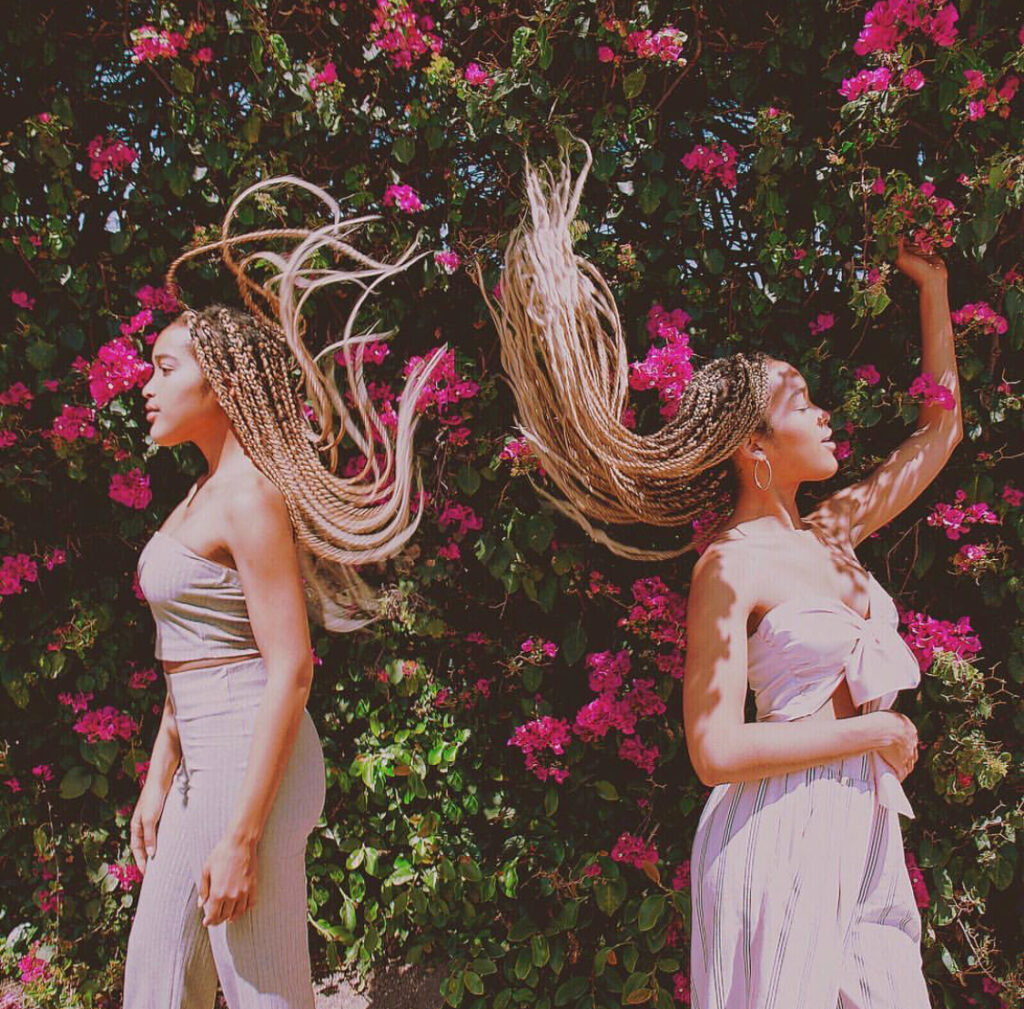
606 55
714 162
634 751
162 299
118 367
150 43
921 896
825 321
930 391
398 29
476 75
114 156
17 394
867 373
447 260
75 422
1012 495
956 519
538 736
866 82
106 723
328 75
634 851
927 635
664 45
975 81
130 489
981 315
22 299
404 197
912 79
204 55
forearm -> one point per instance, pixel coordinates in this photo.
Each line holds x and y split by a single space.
276 726
938 354
166 755
755 750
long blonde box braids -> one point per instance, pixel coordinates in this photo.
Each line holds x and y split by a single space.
339 522
563 350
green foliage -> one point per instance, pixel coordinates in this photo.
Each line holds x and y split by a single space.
436 842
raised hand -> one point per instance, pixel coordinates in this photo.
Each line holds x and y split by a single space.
922 268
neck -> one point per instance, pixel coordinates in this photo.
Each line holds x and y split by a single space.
220 447
777 502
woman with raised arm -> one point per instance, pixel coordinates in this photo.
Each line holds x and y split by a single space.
236 781
800 893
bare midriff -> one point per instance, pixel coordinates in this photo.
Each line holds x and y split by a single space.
839 705
185 664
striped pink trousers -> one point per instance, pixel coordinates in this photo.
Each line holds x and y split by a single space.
801 898
261 958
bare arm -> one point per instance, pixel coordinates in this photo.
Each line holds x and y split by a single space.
163 762
260 540
870 503
722 746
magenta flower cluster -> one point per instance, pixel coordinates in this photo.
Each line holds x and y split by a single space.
994 100
73 423
104 156
476 75
447 260
117 368
926 635
150 44
398 29
917 883
161 299
23 300
664 45
328 75
404 197
825 321
445 388
130 489
716 162
666 368
540 735
867 373
890 21
106 723
982 315
864 82
929 391
957 520
14 570
634 851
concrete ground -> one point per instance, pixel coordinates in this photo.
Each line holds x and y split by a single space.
402 987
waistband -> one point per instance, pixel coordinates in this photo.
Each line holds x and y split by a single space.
217 690
857 767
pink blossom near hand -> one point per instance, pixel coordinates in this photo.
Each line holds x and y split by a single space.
404 197
912 79
130 489
106 723
931 392
127 874
398 29
867 373
447 260
981 314
927 635
825 321
634 851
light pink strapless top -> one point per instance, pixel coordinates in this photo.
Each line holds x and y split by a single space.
797 657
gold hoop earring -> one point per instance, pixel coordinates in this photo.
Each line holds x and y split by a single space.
769 483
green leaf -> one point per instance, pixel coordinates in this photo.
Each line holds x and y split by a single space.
574 643
540 950
182 78
573 988
75 783
650 911
610 893
521 930
633 83
468 479
473 982
40 355
404 149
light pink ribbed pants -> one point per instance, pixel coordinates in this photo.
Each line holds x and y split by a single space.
262 958
801 898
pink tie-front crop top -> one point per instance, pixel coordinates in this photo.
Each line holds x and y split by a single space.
800 650
197 604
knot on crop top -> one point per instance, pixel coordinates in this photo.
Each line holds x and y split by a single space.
198 605
798 654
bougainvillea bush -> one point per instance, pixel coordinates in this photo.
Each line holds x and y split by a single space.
509 793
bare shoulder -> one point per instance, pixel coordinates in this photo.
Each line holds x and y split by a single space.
722 585
254 506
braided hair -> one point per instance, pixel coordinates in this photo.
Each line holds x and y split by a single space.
565 355
250 360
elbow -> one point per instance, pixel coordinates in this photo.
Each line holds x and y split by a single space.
708 773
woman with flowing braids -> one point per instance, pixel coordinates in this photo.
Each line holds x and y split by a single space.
236 781
800 893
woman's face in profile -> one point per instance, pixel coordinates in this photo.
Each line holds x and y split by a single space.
180 404
800 447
